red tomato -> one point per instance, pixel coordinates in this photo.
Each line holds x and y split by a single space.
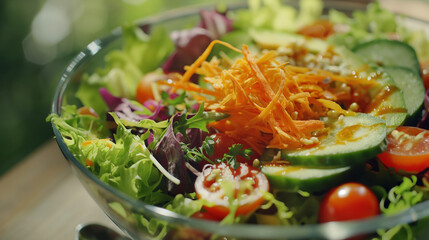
424 70
349 201
204 215
221 145
144 88
210 184
407 149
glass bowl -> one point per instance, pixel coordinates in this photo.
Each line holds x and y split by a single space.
136 218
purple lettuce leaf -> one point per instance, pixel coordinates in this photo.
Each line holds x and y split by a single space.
126 109
216 23
169 153
111 101
191 43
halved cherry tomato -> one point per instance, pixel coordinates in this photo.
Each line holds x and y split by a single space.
144 90
222 143
246 182
407 149
349 201
204 215
318 29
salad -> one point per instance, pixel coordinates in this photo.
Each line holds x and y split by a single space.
266 115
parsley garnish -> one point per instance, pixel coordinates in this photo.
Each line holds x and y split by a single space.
198 154
236 150
199 120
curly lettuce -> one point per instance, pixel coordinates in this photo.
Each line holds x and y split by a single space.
398 199
123 162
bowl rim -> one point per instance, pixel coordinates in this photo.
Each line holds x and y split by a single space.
330 230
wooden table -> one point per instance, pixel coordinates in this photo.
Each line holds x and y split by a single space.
41 199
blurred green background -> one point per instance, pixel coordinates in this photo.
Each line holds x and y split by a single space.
38 39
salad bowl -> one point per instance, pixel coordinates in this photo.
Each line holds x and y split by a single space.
144 221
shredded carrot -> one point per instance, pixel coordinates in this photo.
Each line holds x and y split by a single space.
318 75
274 101
334 106
270 104
189 87
89 162
191 70
106 140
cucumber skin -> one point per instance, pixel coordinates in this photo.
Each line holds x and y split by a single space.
332 154
328 160
315 184
415 114
394 101
393 119
364 50
336 160
272 39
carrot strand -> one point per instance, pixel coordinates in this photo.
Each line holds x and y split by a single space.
270 104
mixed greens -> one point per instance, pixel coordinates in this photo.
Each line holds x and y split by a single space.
262 116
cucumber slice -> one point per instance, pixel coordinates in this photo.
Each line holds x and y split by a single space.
351 141
384 52
412 88
395 57
294 178
387 100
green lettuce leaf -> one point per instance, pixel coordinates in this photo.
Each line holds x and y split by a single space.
401 197
185 206
124 68
76 128
302 207
398 199
124 164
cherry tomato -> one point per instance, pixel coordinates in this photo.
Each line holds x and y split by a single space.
246 185
424 70
407 149
349 201
222 143
144 88
319 29
204 215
